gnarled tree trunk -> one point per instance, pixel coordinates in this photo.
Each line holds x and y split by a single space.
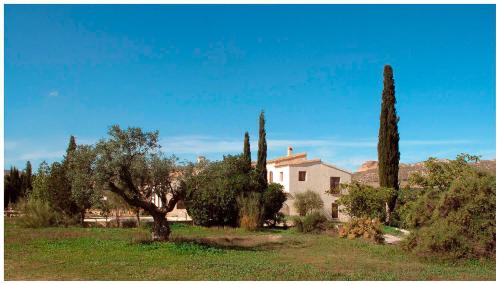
137 215
161 228
82 217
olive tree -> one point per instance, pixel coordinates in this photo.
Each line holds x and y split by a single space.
84 192
130 164
307 202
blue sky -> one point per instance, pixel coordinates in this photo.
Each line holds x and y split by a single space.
201 74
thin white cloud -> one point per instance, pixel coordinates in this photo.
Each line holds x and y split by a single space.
198 144
42 154
10 145
349 154
54 93
436 142
353 163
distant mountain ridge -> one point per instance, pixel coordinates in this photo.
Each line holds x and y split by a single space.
368 171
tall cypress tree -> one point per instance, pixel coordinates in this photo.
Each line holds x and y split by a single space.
261 168
60 183
388 138
247 156
71 146
27 179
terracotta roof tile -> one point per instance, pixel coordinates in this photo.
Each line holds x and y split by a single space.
298 156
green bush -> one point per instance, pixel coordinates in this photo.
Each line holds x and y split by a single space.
365 201
366 228
306 202
273 199
211 194
454 213
36 214
311 223
250 211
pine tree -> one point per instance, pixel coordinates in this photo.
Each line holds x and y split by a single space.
247 156
260 168
388 138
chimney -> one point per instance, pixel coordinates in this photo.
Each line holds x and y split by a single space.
289 151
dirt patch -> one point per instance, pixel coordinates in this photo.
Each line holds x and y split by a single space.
392 239
248 242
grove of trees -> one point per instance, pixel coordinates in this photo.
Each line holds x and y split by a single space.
130 166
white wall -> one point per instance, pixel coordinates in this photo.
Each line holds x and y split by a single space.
276 175
318 180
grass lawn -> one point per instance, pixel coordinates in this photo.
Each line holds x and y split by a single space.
116 254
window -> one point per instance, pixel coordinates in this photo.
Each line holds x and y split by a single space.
270 177
302 176
281 176
335 211
335 185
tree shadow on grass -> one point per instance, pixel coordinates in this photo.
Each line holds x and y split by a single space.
246 243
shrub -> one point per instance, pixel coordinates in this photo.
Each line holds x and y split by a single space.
273 199
250 211
312 223
36 214
366 228
211 194
365 201
454 215
307 202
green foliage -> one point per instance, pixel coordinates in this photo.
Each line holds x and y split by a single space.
130 164
17 184
306 202
80 173
273 199
36 214
56 186
27 180
313 222
454 212
365 201
440 174
59 187
211 194
368 229
388 137
13 187
41 189
247 155
261 168
250 213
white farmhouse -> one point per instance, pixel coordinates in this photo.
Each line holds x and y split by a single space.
298 174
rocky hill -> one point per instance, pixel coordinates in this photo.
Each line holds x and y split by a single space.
368 172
